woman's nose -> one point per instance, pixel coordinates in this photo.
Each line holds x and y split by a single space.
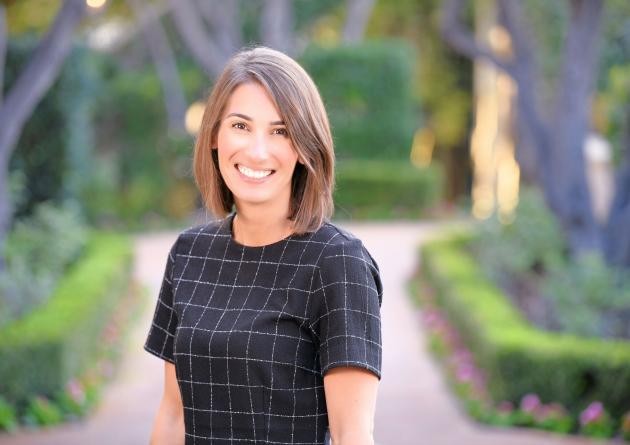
259 149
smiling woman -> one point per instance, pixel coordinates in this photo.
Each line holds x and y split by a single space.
268 319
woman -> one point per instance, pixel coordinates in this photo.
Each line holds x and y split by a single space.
268 319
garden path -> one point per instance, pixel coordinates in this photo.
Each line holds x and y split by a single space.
414 406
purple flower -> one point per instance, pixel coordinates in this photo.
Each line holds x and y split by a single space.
530 403
592 413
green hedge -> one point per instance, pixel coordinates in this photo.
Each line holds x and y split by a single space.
368 93
385 189
53 156
41 352
518 358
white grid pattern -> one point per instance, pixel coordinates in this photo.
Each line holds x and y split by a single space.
251 330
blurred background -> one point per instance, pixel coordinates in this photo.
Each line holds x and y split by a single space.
483 150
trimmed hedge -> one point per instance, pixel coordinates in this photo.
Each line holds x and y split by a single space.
385 189
41 352
517 357
368 92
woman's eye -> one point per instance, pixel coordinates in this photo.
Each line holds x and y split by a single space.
239 125
281 131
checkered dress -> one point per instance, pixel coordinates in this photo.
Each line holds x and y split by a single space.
252 330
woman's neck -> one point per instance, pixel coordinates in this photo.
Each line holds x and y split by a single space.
254 226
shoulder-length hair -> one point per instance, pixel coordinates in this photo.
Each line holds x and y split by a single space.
300 107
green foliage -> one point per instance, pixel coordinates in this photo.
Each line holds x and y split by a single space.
8 416
532 242
53 151
40 411
142 164
444 79
589 297
385 189
517 358
37 252
64 332
367 92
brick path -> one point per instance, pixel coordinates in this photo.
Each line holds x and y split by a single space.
414 406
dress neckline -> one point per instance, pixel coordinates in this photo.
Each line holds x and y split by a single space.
228 230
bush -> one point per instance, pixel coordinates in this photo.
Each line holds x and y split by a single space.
37 252
54 149
367 90
62 334
517 358
583 296
385 189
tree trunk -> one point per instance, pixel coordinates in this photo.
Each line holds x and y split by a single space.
164 61
3 48
199 42
276 25
29 88
223 18
358 13
571 122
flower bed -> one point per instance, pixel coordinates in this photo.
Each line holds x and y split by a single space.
75 335
508 372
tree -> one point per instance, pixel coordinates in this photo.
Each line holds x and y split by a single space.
28 89
212 37
557 132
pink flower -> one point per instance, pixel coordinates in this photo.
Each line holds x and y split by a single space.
592 413
530 403
76 391
505 407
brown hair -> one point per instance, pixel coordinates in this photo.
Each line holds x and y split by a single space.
300 107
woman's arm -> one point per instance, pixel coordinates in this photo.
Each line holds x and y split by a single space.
351 402
168 427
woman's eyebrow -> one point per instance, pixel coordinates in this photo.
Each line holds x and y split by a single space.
247 118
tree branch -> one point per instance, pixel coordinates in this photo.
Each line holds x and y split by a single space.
38 76
463 41
162 55
200 44
358 13
225 26
276 25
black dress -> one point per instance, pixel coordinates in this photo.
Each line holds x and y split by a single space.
252 330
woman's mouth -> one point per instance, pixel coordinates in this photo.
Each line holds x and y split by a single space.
253 174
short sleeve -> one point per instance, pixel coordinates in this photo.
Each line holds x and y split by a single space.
345 308
162 332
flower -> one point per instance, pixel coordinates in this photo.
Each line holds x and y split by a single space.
530 403
76 391
592 413
505 407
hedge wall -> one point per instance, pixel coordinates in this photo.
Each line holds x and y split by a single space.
385 189
42 351
367 90
517 357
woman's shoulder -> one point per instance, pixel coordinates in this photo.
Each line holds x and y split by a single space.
340 242
201 233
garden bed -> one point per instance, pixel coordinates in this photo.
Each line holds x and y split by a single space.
43 354
516 359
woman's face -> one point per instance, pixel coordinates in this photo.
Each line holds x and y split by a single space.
256 156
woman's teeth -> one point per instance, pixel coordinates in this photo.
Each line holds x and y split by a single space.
256 174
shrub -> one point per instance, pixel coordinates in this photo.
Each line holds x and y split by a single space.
385 189
63 333
367 90
517 358
37 252
8 417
